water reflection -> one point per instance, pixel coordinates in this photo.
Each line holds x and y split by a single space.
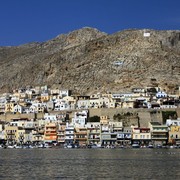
89 164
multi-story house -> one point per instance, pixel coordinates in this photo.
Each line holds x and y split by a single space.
104 119
161 94
116 126
29 128
141 135
18 109
174 135
20 136
30 93
45 97
14 99
159 133
50 118
9 107
37 107
61 133
80 136
50 105
2 108
54 92
11 135
168 104
50 133
140 91
37 137
64 93
173 122
61 105
117 96
107 135
101 102
83 104
71 101
69 134
80 118
93 133
125 137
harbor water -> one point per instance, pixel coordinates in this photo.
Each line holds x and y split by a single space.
24 164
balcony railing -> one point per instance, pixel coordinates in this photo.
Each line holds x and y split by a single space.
159 137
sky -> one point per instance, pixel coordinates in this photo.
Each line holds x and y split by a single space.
26 21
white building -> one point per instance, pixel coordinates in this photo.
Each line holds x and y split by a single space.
2 133
61 105
18 109
69 134
50 118
161 94
83 104
173 122
64 93
79 119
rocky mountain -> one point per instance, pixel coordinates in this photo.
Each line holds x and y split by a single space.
87 60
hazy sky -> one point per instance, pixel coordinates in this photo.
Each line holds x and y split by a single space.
24 21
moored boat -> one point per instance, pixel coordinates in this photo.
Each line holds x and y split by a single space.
135 146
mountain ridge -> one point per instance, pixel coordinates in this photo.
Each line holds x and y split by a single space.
84 61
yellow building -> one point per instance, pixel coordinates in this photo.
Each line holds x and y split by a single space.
11 134
9 107
127 104
174 135
104 119
45 97
20 136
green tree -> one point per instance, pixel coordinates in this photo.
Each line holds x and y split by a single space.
94 119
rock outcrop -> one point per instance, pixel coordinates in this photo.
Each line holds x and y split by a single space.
88 60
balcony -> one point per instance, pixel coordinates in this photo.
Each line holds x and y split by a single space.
61 134
80 133
50 138
69 132
69 137
81 139
94 139
61 139
159 137
50 129
50 134
159 130
10 133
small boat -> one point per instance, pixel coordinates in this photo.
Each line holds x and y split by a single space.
69 146
159 146
150 146
135 146
94 146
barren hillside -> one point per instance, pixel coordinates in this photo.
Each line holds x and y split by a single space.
87 60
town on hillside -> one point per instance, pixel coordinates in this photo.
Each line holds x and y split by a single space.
43 117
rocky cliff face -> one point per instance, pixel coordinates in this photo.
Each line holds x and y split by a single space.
88 60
